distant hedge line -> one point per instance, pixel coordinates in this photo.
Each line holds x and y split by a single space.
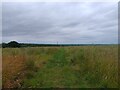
14 44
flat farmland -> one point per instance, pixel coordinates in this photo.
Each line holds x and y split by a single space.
60 67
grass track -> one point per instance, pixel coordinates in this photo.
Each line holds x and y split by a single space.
63 67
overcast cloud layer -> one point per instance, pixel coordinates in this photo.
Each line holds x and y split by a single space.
60 22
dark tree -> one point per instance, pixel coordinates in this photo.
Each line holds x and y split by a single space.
4 45
13 44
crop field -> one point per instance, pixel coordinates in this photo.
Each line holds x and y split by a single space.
60 67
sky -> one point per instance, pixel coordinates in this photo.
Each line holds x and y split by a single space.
62 22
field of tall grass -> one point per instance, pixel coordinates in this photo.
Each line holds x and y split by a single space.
60 67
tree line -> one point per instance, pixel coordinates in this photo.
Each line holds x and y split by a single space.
15 44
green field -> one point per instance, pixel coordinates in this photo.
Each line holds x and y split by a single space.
61 67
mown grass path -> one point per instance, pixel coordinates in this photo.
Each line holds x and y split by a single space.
66 67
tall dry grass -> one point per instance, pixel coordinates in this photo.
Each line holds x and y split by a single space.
79 67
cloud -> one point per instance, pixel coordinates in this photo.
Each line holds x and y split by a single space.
37 22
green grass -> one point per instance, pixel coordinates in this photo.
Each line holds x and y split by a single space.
69 67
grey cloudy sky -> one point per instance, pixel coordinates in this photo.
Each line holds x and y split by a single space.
37 22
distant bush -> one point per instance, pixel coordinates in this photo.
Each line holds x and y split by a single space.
13 44
4 45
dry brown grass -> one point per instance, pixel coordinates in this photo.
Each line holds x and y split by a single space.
12 67
95 66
